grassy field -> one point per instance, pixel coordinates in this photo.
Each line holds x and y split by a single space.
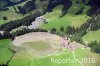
65 21
39 45
89 58
78 20
56 24
27 57
46 61
92 56
76 7
2 21
5 53
23 59
54 20
12 15
92 36
56 13
52 16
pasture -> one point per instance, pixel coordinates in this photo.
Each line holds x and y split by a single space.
12 15
70 19
92 36
44 52
5 53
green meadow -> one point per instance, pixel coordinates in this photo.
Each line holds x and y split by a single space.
92 36
24 58
2 21
87 57
12 15
26 54
5 53
21 59
70 19
27 58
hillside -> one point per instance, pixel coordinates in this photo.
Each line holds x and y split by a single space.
22 9
49 32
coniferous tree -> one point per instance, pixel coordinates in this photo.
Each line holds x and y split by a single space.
62 29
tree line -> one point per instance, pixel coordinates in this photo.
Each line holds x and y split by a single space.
24 31
26 21
7 35
76 34
29 6
95 46
3 65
